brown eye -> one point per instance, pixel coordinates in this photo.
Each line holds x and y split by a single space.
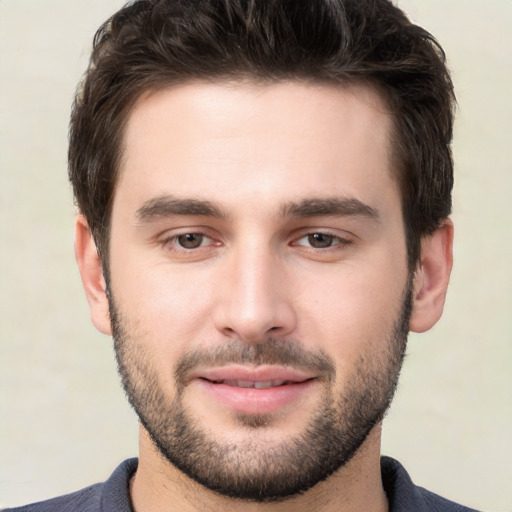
190 240
320 240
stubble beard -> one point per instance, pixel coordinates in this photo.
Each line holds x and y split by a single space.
254 470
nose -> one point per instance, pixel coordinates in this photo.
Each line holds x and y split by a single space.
254 300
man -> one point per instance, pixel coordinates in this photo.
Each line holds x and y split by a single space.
264 190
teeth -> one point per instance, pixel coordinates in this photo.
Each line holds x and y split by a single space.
268 384
252 384
239 383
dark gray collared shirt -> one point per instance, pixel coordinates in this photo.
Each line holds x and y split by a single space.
112 495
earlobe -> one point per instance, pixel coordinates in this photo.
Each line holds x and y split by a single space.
91 272
432 277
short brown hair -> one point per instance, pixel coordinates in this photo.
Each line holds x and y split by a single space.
151 44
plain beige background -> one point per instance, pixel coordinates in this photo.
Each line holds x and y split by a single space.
64 422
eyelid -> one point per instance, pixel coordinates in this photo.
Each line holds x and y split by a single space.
169 241
341 239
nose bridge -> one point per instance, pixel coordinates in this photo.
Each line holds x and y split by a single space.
255 299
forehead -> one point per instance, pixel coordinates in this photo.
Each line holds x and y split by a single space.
274 141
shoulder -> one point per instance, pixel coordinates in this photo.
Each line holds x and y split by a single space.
404 496
436 503
85 500
110 496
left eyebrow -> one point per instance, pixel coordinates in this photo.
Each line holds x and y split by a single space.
331 206
166 206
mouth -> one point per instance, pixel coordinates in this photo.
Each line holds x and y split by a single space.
254 384
255 391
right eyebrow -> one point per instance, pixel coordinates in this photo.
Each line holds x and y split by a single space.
166 206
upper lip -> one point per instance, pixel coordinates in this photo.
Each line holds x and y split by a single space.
264 373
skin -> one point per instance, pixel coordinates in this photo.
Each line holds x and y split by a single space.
251 151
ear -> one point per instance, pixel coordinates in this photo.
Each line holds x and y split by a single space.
91 272
431 278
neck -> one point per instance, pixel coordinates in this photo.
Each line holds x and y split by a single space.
356 487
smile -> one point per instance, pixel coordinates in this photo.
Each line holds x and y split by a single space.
255 385
259 390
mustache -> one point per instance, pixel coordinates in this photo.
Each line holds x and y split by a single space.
271 351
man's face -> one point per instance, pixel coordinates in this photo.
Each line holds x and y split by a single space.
258 278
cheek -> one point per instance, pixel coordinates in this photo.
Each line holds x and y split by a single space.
351 315
162 311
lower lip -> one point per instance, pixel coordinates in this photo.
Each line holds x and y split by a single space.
257 401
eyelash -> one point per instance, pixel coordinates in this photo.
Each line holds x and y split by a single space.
337 242
172 244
